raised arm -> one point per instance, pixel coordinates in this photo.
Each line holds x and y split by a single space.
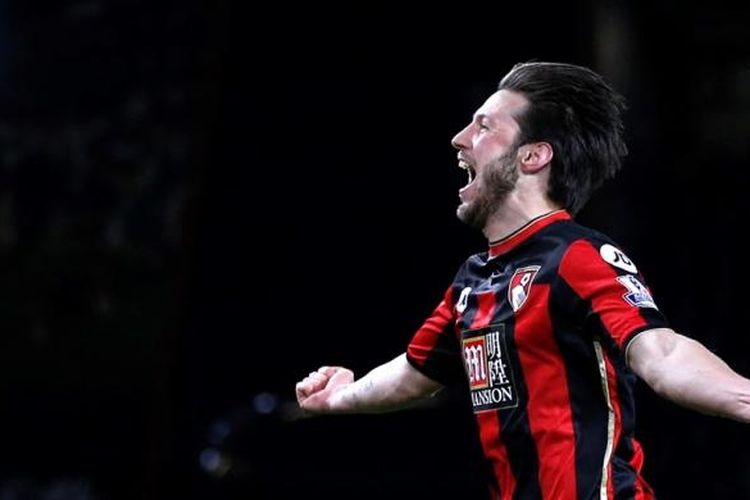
391 386
684 371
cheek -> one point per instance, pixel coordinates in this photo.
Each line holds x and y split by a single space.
483 154
488 148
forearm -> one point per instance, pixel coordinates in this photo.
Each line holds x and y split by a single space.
687 373
391 386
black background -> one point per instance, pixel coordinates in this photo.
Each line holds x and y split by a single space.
201 203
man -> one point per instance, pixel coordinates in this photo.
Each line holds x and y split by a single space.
549 325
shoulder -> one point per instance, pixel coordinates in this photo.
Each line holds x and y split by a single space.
474 261
586 246
560 241
571 231
470 268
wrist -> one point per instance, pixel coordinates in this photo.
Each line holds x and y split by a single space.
342 399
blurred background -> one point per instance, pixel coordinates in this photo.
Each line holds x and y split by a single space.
201 202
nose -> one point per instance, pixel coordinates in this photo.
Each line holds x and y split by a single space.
461 140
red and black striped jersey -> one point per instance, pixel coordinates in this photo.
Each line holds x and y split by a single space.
540 325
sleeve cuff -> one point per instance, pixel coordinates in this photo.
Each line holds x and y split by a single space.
429 371
635 334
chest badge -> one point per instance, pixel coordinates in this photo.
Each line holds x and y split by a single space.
520 286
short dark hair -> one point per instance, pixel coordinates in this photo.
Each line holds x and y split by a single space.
579 114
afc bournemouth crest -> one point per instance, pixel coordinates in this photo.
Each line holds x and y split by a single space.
488 369
520 286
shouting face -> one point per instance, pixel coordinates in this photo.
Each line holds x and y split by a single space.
487 150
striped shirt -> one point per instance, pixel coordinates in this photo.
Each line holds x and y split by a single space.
539 327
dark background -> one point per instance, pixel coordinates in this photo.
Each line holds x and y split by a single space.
202 202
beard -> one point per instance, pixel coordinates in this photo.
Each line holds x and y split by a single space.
494 183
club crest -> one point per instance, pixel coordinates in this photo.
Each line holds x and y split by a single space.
520 286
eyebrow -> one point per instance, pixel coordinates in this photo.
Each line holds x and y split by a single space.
496 121
479 117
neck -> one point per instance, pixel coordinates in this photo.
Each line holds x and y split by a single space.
513 215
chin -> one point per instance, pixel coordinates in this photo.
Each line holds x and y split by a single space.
469 215
463 212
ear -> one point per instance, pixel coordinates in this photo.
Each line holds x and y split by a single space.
533 157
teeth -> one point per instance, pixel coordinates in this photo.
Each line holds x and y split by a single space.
464 165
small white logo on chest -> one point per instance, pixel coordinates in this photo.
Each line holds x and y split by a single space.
463 299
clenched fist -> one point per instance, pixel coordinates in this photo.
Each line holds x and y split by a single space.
320 392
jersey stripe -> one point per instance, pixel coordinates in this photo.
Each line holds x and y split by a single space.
485 309
568 431
605 489
614 395
625 465
643 490
549 413
595 281
433 348
488 422
516 430
589 412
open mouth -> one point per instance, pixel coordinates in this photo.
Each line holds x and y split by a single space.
469 170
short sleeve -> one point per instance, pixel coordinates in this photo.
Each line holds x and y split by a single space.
433 349
604 277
